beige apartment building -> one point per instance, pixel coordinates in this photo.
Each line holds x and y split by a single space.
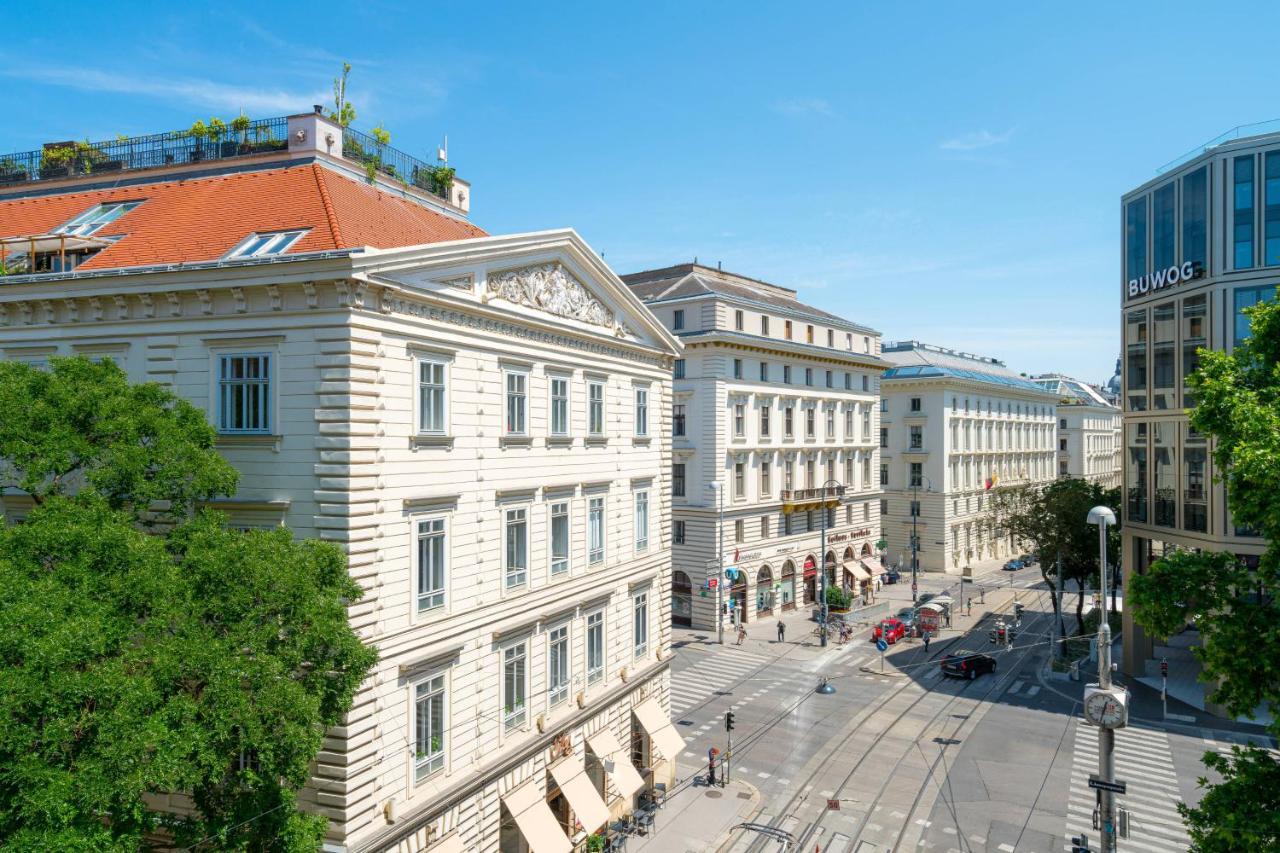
774 422
954 427
482 422
1089 443
1200 244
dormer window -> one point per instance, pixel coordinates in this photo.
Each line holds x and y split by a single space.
269 243
97 217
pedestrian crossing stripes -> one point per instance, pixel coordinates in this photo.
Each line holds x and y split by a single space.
1221 742
717 670
1142 761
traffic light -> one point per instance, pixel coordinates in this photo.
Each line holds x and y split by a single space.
728 721
1017 609
1080 843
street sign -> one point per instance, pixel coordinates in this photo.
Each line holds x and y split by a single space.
833 805
1103 785
711 582
913 589
1164 667
881 644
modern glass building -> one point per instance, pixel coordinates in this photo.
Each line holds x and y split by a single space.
1200 243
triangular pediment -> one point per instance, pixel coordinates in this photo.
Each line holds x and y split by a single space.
551 287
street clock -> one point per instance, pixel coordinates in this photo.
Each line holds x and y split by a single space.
1107 708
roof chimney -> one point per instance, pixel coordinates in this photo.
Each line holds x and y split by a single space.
315 132
319 108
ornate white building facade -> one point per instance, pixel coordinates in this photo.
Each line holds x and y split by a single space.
955 427
1089 441
481 423
775 405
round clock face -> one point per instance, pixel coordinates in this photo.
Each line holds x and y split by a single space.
1104 710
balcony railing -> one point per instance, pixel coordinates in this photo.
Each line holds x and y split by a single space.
70 159
373 155
812 494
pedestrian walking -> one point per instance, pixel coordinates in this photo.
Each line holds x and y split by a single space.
742 634
926 642
711 766
782 631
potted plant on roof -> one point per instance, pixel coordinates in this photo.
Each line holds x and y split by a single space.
225 146
198 132
11 172
240 125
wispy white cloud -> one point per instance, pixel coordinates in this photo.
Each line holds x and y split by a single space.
975 140
803 106
185 90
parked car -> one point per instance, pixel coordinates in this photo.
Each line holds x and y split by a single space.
908 617
1013 565
892 630
967 664
1027 559
891 575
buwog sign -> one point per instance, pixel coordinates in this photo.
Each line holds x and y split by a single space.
1161 279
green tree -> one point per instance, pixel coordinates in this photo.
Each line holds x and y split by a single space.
81 427
201 662
343 112
1235 609
1054 520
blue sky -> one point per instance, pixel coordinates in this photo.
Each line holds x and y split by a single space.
946 172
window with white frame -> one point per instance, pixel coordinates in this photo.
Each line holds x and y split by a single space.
640 624
848 424
559 405
866 424
766 479
740 531
515 685
866 471
432 557
642 412
431 397
244 393
810 422
429 728
595 646
262 245
595 530
595 407
96 218
559 538
848 470
764 421
831 422
642 520
516 538
739 480
517 401
558 665
789 421
739 420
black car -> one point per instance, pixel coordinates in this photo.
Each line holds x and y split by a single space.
892 575
967 664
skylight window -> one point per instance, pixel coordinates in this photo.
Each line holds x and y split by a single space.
261 245
97 217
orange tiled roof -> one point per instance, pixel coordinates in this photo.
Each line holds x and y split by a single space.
201 219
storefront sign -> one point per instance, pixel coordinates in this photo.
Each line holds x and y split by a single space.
1161 279
852 534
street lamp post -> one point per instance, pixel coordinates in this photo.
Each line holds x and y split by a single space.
1102 516
715 488
822 559
915 539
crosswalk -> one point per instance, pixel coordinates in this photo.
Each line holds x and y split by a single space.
714 670
1143 762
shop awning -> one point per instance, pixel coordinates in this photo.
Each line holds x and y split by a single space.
661 732
855 568
577 788
617 763
451 843
942 600
872 565
537 824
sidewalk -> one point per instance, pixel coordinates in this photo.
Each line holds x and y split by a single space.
697 818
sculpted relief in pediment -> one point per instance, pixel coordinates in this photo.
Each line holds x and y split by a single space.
550 287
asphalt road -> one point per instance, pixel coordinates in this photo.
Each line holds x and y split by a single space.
910 760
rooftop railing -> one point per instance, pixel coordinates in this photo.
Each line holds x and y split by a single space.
177 147
1261 128
181 147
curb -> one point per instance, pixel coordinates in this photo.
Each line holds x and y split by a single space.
727 834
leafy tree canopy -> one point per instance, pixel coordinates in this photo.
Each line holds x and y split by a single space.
81 427
206 661
1235 609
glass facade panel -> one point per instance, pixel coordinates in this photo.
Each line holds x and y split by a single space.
1195 324
1136 472
1164 372
1164 226
1135 374
1135 238
1195 493
1271 211
1242 213
1246 297
1195 217
1164 454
